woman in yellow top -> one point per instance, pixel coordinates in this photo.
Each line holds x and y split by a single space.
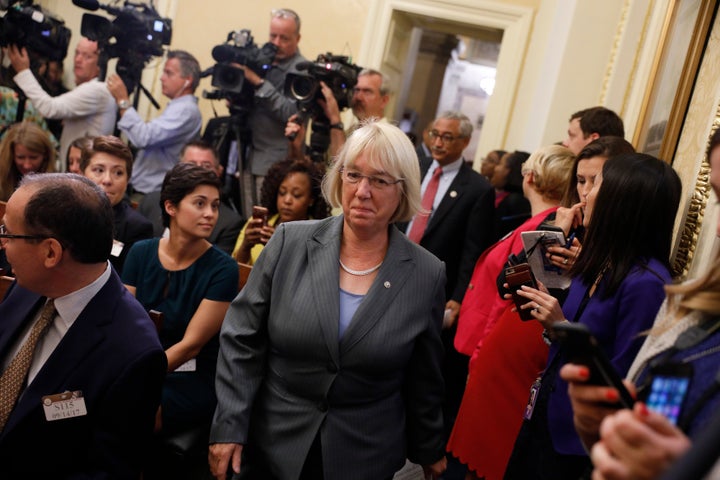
291 191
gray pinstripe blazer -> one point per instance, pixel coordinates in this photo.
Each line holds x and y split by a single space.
375 395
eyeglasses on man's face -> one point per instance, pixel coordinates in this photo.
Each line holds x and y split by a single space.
4 234
378 182
445 137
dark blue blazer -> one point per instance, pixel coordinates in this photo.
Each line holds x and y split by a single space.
112 354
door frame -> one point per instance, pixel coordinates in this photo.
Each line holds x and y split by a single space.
513 20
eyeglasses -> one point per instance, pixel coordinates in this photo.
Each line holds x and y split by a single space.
445 137
4 234
379 183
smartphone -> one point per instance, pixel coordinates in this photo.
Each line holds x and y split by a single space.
516 276
260 213
668 387
581 347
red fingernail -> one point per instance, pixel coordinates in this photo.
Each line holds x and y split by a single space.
584 372
643 410
611 395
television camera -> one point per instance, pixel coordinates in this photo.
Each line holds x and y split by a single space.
228 80
137 34
340 75
31 26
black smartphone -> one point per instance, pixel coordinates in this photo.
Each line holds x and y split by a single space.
581 347
668 387
516 276
260 213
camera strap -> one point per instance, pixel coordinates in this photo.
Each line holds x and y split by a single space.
20 112
688 339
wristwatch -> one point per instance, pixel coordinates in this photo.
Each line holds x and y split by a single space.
338 125
124 104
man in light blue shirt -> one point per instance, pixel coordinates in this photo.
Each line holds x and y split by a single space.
160 140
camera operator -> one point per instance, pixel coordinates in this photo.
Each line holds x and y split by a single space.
160 140
370 96
272 108
88 109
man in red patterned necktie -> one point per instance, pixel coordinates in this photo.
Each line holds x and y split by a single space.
459 227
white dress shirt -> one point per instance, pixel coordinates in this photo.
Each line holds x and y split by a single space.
449 172
69 308
88 109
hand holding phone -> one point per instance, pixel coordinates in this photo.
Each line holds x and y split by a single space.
516 276
668 387
582 348
260 213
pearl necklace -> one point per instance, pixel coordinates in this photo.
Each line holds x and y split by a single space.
359 273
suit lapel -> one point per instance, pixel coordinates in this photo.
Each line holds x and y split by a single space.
323 254
84 336
394 272
454 192
15 311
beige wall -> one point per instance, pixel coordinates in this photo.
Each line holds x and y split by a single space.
564 69
199 25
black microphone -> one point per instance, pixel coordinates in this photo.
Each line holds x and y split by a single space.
207 72
303 65
91 5
223 53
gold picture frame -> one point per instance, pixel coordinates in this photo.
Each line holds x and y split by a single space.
684 32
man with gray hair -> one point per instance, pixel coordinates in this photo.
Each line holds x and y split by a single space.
458 228
160 140
370 96
271 109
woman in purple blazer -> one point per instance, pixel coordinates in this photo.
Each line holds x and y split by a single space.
616 291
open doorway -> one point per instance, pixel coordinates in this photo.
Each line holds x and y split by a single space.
413 42
449 72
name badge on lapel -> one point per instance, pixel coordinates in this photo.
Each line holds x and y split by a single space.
64 405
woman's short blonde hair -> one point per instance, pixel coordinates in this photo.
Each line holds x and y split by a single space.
388 149
552 168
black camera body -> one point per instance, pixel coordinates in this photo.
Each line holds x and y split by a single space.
137 34
141 31
228 80
30 26
338 73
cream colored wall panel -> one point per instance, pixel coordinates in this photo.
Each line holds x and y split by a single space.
564 69
199 25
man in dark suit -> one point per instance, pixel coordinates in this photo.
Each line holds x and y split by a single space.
459 228
82 367
229 223
423 148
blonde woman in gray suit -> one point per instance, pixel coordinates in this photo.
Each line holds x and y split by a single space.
330 357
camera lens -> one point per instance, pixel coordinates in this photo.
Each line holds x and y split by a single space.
303 88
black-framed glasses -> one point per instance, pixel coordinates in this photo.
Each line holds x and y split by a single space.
377 182
4 234
445 137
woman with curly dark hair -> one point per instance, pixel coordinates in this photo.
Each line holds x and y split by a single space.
291 191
